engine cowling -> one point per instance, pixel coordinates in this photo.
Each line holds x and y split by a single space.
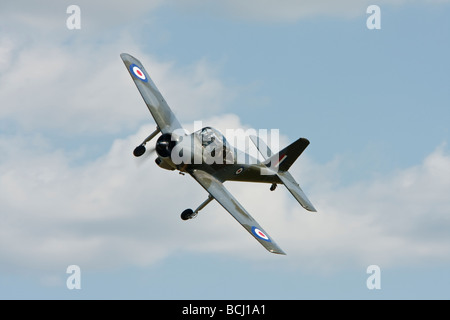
165 145
163 163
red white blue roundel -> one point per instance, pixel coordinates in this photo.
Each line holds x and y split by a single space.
239 171
260 234
138 73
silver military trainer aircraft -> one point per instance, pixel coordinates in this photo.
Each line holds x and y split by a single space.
211 160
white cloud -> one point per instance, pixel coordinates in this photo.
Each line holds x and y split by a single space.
46 18
74 82
86 89
391 220
111 212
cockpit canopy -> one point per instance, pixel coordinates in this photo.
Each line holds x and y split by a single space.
215 144
210 136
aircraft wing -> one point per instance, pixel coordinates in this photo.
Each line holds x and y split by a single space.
164 117
226 200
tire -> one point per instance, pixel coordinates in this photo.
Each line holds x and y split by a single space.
187 214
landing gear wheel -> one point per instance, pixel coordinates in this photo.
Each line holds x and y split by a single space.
139 151
273 187
187 214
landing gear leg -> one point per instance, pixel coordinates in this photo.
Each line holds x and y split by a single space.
140 150
190 214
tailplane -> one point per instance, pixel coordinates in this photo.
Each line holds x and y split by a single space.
293 187
280 164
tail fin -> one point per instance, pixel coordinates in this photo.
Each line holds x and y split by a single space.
284 159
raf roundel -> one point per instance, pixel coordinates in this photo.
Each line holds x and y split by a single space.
138 73
260 234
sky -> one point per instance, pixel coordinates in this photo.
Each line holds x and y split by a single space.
374 103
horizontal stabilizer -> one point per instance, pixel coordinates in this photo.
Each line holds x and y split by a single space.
262 147
295 190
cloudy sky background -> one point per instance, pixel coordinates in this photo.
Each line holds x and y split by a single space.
375 105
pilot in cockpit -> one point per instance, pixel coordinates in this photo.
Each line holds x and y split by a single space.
216 146
208 136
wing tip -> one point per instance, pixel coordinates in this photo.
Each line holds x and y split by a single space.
124 55
276 251
128 57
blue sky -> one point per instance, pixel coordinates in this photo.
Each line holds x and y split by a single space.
373 103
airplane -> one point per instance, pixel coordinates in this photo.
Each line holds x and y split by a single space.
192 154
